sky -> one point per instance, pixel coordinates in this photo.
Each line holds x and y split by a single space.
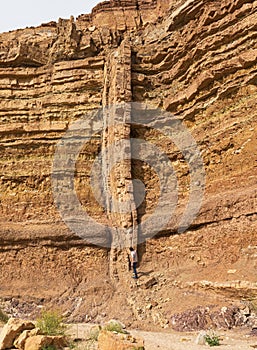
15 14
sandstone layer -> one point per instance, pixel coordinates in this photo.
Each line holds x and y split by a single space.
196 60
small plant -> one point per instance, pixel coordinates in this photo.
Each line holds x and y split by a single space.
212 339
114 327
51 323
3 317
94 333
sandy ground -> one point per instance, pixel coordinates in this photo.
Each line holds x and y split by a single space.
236 340
170 340
174 341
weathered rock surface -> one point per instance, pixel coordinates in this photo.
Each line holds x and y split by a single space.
12 330
109 340
20 341
37 342
204 318
196 59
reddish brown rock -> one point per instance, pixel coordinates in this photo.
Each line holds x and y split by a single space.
206 318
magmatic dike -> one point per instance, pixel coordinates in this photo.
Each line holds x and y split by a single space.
126 72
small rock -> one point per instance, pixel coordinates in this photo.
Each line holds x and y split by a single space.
91 29
185 340
149 283
200 339
154 303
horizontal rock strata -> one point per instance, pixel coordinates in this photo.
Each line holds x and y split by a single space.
196 60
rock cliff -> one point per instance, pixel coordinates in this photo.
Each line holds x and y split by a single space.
196 60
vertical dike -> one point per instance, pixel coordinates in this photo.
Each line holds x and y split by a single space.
116 161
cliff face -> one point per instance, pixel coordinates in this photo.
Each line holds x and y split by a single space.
195 59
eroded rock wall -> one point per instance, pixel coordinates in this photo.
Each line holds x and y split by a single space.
199 74
196 59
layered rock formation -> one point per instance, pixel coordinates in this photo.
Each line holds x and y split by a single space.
194 59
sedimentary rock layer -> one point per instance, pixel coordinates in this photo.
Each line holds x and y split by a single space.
196 60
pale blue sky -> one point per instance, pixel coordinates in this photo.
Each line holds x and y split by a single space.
16 14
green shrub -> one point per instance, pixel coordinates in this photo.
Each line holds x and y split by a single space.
3 317
212 339
114 327
51 323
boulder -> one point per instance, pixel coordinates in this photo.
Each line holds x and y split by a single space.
109 341
11 330
19 342
37 342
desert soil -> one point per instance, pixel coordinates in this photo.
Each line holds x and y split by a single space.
232 339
